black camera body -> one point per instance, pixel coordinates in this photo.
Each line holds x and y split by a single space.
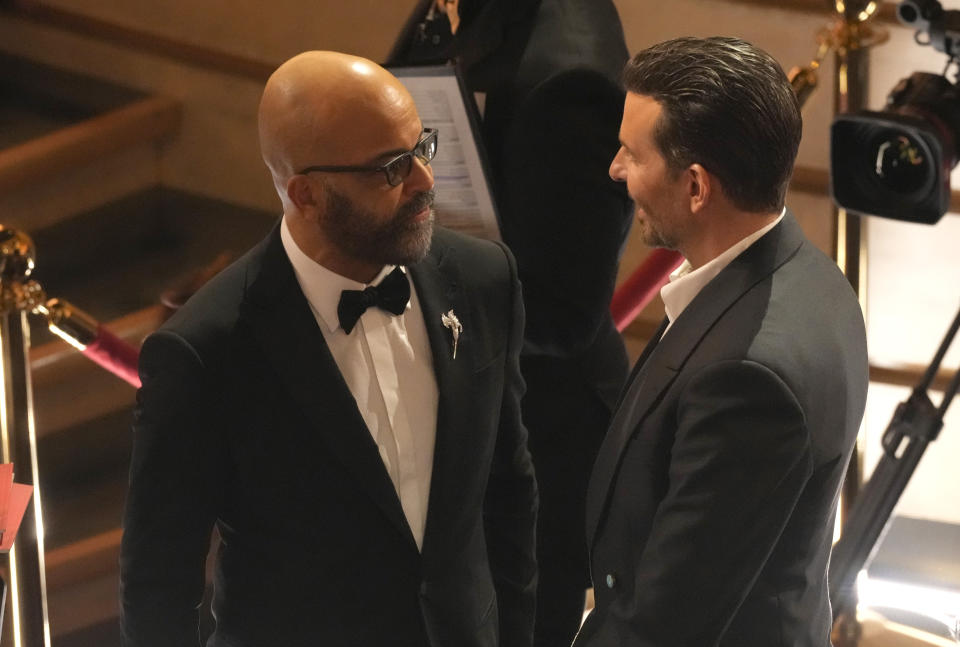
896 163
929 17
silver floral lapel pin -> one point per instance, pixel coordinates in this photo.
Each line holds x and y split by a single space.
449 320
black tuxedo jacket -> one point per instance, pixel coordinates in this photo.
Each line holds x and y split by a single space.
244 422
710 511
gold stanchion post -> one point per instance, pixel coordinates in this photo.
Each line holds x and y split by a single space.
853 38
850 37
25 564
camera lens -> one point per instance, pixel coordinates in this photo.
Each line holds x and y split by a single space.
907 13
900 162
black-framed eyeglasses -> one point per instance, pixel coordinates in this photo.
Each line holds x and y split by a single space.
397 169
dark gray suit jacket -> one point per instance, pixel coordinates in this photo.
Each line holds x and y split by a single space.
245 422
711 507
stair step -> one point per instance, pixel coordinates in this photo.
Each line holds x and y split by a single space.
147 120
71 142
113 262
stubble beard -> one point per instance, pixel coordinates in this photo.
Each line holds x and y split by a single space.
651 234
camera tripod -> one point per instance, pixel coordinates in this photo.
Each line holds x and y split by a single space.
915 424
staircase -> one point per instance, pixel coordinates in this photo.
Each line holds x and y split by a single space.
80 172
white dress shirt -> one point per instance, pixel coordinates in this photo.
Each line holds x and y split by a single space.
387 364
685 282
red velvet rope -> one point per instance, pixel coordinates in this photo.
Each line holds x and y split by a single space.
115 355
640 287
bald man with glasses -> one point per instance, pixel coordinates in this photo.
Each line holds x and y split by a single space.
342 403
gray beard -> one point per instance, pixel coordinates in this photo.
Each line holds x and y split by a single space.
398 241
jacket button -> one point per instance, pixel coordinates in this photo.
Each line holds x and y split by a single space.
611 580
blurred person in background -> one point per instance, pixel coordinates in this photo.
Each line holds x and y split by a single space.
546 77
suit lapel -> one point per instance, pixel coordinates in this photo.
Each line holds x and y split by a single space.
642 360
439 289
283 323
664 360
437 285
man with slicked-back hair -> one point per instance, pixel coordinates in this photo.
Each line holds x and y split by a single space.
710 510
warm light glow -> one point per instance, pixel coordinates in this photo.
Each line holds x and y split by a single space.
842 238
841 7
37 498
942 605
15 596
838 521
14 582
67 337
4 428
362 67
864 257
867 12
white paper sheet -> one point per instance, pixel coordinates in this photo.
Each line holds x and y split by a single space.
464 201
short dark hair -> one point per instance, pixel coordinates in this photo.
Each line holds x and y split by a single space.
726 105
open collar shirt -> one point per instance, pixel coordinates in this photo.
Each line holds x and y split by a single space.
685 282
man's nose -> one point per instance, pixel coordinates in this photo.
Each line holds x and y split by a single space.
420 178
617 171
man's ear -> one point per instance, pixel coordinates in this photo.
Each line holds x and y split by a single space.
701 187
303 193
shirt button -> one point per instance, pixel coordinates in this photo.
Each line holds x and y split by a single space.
611 580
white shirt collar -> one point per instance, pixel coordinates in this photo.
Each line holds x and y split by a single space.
685 282
321 286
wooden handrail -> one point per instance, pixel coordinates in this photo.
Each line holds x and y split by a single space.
908 375
149 119
814 181
146 41
642 329
83 559
258 69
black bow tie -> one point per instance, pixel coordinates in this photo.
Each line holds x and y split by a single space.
392 295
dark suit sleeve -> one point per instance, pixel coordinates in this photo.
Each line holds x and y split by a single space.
561 214
510 503
175 481
739 460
